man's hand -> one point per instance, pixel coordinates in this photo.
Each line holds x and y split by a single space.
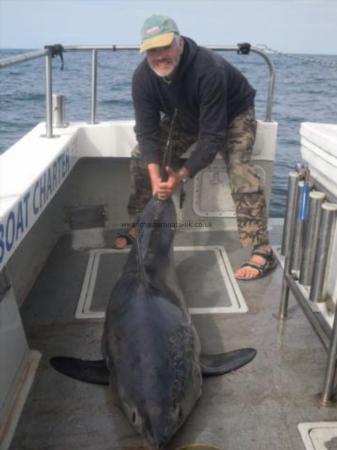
166 188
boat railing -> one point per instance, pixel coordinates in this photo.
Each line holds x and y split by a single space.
308 237
51 51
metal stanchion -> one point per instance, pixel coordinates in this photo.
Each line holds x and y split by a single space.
295 262
58 111
331 368
293 178
288 233
93 86
329 212
306 211
310 237
49 93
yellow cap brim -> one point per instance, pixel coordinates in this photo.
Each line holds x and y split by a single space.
157 41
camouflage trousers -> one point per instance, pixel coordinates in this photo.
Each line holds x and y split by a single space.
246 186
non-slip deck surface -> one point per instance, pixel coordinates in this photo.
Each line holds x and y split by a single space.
257 407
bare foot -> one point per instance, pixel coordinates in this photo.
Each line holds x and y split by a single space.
122 241
246 272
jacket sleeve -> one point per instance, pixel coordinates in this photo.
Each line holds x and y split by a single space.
147 116
212 96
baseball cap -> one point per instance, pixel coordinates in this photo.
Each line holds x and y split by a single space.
157 31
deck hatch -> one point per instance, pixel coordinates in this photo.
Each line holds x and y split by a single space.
204 272
212 195
84 217
319 435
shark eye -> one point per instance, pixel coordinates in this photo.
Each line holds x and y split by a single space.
136 418
180 413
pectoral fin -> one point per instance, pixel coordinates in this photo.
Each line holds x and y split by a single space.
221 363
95 372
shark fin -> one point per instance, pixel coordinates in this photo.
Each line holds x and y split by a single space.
95 372
221 363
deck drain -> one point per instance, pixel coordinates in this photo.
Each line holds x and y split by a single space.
204 272
319 435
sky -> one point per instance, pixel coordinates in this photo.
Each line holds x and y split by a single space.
290 26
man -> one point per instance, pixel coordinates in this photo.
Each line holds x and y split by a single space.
213 105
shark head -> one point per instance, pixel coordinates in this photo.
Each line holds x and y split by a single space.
159 387
157 416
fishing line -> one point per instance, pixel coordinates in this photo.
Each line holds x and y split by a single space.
300 58
168 149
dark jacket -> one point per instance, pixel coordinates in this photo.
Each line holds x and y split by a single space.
208 93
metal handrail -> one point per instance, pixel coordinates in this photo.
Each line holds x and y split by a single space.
14 60
47 53
6 62
318 238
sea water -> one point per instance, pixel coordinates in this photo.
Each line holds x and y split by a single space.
305 91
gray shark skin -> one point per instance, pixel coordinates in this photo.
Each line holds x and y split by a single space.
150 345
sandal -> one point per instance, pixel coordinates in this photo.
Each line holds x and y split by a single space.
129 240
262 269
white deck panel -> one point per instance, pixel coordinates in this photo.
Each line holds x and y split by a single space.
319 150
318 435
34 169
323 135
25 161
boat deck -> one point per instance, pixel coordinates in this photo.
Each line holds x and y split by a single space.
257 407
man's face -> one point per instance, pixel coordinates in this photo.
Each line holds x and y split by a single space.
164 60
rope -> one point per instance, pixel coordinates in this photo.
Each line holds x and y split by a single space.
301 58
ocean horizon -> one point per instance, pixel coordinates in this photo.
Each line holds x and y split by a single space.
305 91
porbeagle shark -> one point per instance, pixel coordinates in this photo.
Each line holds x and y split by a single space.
151 350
